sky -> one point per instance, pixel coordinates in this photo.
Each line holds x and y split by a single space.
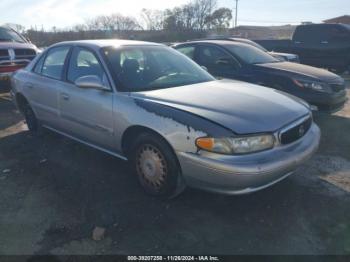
66 13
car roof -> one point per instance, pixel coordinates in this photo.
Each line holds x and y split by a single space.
216 42
100 43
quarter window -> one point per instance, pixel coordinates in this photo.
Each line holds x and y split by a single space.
39 65
54 62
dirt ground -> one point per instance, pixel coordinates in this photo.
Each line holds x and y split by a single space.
54 192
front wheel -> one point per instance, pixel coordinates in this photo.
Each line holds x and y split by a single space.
156 166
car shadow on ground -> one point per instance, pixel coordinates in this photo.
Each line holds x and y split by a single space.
335 138
84 188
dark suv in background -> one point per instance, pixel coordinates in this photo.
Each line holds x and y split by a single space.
322 89
15 53
321 45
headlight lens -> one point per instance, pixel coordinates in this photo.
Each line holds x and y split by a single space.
317 86
236 145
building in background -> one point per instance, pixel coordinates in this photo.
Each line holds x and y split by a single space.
345 19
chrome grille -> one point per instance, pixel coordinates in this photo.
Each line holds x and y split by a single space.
24 53
337 87
4 55
295 131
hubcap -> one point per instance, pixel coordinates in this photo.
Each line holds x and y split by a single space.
151 166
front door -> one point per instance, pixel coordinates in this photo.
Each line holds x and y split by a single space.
87 113
218 62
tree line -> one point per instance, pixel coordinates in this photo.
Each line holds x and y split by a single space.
196 15
189 21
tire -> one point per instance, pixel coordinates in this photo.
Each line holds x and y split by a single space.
31 120
156 166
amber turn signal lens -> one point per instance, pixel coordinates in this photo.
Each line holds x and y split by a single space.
205 143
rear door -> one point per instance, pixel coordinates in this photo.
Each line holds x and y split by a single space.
87 114
42 87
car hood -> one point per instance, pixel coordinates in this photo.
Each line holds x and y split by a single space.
241 107
299 69
7 45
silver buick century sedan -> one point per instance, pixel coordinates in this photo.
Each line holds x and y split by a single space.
176 124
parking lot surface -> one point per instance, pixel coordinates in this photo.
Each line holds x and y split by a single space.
54 192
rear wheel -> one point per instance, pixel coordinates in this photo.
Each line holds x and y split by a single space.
31 120
156 166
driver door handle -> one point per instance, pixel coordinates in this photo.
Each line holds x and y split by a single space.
65 96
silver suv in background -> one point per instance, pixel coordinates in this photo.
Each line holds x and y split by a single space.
16 52
176 124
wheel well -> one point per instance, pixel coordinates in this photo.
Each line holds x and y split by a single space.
21 101
132 132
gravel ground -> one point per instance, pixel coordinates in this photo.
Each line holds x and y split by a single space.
54 192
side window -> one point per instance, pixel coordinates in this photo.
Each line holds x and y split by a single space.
39 65
215 58
308 34
54 62
337 33
187 50
83 63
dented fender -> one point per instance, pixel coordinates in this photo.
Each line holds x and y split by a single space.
179 128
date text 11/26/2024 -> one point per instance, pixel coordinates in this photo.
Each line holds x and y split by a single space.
173 258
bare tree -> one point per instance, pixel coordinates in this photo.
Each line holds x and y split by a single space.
154 19
189 16
203 9
220 18
112 22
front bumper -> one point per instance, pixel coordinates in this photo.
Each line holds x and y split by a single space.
247 173
328 103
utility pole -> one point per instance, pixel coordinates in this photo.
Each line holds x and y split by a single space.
236 13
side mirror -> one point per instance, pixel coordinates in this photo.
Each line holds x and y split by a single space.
90 81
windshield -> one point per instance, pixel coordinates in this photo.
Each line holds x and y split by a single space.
251 55
140 68
10 35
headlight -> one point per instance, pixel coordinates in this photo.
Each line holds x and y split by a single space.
317 86
236 145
